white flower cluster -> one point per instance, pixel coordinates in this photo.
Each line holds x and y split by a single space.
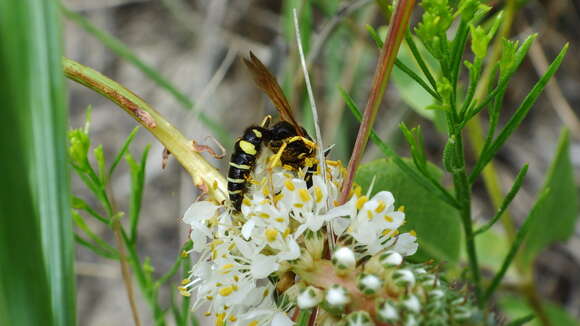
284 226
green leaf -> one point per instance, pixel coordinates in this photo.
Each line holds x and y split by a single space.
123 150
556 218
137 170
36 244
426 182
515 308
519 115
436 223
520 236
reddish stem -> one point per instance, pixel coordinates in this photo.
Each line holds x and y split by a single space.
395 35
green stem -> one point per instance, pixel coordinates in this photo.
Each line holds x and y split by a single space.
205 176
397 30
490 177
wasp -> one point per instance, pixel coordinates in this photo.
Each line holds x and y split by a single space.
293 146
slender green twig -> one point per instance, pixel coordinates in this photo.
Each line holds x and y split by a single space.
397 30
204 175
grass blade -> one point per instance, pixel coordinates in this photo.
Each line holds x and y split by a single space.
34 181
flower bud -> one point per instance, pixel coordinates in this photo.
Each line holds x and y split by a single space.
314 243
386 312
436 294
343 258
337 296
390 259
359 318
368 283
309 297
404 277
428 280
412 304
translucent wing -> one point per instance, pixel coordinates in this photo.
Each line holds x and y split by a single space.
267 83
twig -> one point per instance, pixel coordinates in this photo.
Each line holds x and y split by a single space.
397 29
203 173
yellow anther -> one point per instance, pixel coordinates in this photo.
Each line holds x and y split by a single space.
357 190
304 195
265 191
271 234
413 233
209 297
298 205
207 313
386 231
287 167
219 320
381 207
264 215
247 147
227 268
246 201
388 219
184 282
227 290
278 197
233 318
287 232
370 215
289 185
361 201
279 219
318 194
401 209
253 323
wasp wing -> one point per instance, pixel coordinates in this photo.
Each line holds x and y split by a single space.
267 83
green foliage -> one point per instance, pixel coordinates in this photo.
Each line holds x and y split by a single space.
36 256
97 180
436 223
515 308
560 209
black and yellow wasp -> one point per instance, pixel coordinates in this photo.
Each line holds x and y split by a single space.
293 146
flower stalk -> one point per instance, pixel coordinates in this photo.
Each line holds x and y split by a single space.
204 175
397 30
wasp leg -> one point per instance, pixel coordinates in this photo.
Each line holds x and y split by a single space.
276 158
306 141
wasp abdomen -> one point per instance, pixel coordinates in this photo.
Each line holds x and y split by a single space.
242 163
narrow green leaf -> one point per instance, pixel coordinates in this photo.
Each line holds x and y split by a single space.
80 223
80 204
557 216
96 249
101 165
36 243
436 223
519 114
123 150
428 184
521 234
521 321
506 201
409 38
137 185
125 52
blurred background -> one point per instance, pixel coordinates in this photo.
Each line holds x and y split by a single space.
197 46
